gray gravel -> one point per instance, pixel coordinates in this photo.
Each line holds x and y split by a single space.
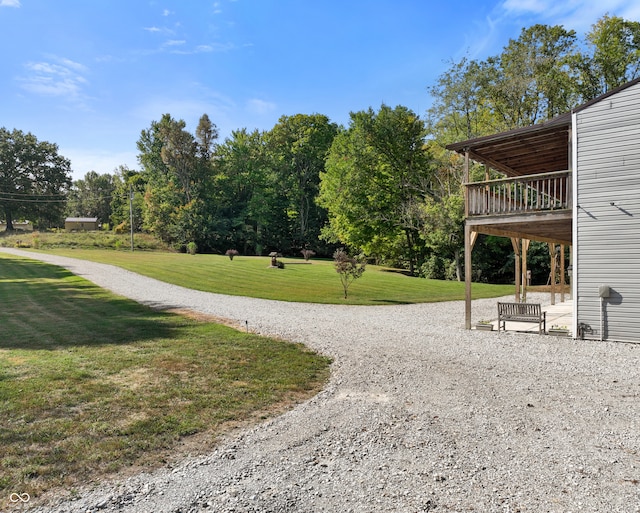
420 415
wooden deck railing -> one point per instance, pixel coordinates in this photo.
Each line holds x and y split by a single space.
532 193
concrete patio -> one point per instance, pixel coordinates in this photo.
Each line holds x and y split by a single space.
558 315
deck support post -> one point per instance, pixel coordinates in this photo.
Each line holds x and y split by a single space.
468 247
515 242
552 279
525 273
469 241
562 275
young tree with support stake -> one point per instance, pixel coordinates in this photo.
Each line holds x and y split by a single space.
349 268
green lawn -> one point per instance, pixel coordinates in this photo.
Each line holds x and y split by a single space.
313 282
92 383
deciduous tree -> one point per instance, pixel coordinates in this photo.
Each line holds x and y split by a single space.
349 268
298 146
377 175
34 179
611 58
91 196
176 169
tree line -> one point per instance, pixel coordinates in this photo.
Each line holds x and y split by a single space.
382 186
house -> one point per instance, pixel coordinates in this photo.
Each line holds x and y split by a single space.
571 181
80 224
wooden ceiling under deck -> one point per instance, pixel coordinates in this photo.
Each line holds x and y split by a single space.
541 148
553 227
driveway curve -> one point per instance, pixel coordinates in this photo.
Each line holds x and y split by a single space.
419 415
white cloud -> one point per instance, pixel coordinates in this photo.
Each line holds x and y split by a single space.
216 47
519 6
175 42
56 77
9 3
208 48
152 29
260 107
572 14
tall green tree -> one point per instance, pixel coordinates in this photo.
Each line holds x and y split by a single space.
206 137
34 179
176 169
91 196
460 109
298 146
611 57
531 80
242 197
378 174
128 198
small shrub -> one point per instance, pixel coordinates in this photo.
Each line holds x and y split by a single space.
192 248
307 254
433 268
280 264
232 253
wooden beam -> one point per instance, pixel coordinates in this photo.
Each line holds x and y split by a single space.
562 276
515 242
552 253
474 238
525 280
517 234
468 247
466 180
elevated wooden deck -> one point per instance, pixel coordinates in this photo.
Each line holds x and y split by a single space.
533 206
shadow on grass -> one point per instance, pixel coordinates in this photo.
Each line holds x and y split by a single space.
47 307
403 272
392 302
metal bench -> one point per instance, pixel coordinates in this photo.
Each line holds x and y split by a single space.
521 312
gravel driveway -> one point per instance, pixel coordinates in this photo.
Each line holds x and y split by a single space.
420 415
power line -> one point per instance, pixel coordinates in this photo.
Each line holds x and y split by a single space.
19 200
50 198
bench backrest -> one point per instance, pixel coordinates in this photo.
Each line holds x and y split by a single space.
519 309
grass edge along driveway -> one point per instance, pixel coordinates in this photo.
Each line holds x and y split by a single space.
92 384
315 281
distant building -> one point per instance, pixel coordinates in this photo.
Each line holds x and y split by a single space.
80 224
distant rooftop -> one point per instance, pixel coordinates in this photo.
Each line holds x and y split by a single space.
81 220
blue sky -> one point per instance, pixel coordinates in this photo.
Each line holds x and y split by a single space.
89 75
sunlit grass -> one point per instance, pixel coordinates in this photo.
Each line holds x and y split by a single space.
91 383
315 281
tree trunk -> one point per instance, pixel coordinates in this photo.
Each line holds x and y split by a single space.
411 252
458 265
9 219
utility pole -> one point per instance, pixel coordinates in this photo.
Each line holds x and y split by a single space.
131 213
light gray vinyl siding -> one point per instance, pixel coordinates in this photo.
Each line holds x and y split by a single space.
607 245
